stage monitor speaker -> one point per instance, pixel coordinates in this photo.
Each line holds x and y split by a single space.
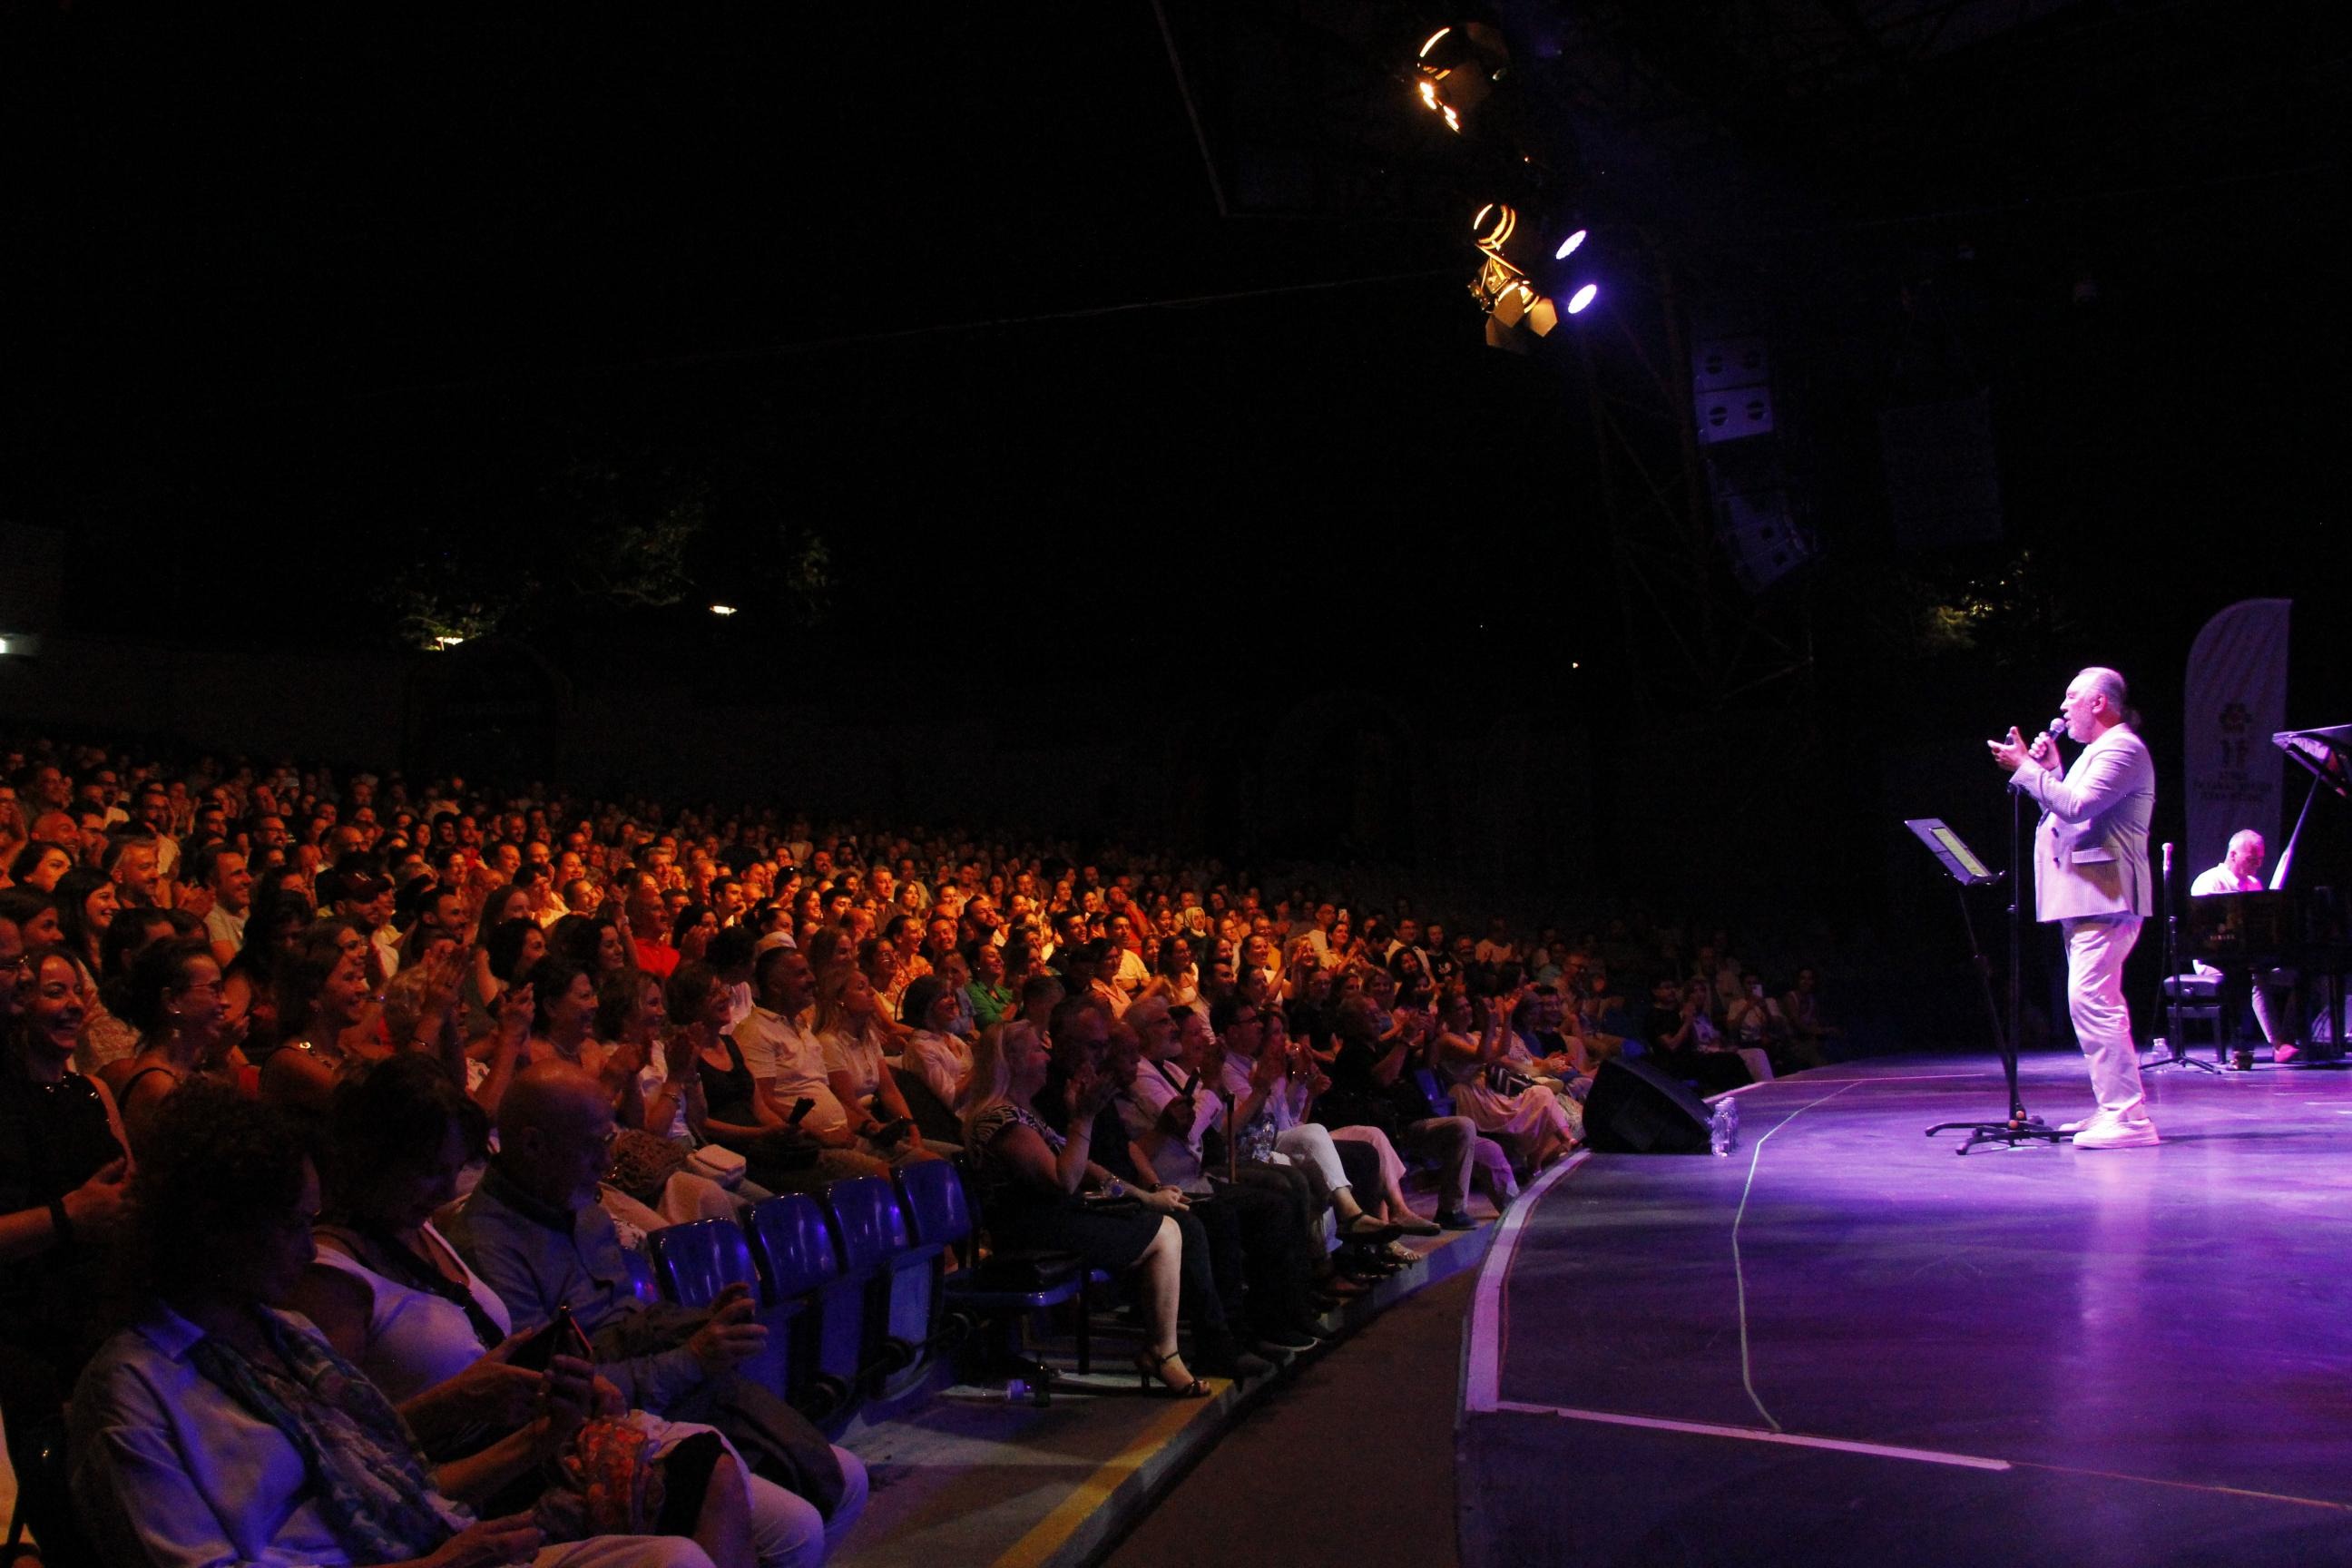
1638 1108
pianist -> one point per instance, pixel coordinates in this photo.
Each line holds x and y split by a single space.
2239 872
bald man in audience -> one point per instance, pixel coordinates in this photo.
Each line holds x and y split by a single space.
535 1234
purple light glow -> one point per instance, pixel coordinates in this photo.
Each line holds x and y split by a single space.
1581 298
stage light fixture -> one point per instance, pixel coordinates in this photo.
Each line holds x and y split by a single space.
445 641
722 609
1458 67
1581 298
1503 287
1503 292
1568 245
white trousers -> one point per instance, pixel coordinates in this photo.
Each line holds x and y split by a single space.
2095 951
787 1532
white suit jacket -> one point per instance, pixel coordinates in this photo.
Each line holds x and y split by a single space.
2090 854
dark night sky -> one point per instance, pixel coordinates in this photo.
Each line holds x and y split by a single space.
291 288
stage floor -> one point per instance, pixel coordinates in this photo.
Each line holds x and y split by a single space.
1844 1343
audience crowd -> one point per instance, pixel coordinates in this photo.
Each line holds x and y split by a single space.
328 1107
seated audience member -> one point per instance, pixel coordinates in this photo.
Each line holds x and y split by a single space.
221 871
505 953
108 1040
250 984
991 999
596 943
38 865
322 994
1364 1072
171 995
1754 1022
533 1232
1030 1177
87 902
849 1021
1261 1238
1552 1030
1322 1195
1272 1085
61 1192
1809 1032
421 1005
1083 1043
1042 996
563 1028
1529 1116
392 1296
716 1093
934 1052
786 1059
130 862
690 931
648 923
1089 969
1683 1038
222 1428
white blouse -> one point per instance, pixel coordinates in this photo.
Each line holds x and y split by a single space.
415 1337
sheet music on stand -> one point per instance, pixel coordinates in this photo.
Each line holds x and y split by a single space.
1966 867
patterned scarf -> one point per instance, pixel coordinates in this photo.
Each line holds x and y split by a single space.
373 1487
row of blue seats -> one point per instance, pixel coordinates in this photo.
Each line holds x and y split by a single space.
857 1288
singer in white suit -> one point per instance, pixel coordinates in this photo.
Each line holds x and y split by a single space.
2091 877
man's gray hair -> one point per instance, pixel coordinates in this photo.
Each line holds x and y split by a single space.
2109 684
2239 838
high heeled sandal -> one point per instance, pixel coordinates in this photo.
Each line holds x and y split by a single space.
1148 1366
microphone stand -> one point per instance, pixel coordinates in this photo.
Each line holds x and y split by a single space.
2021 1127
2174 983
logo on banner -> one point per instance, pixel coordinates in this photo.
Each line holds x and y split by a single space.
2235 723
2229 783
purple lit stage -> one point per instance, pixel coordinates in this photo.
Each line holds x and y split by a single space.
1845 1344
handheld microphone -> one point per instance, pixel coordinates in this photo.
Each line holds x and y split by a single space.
2057 727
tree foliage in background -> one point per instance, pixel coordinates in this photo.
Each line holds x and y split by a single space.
598 536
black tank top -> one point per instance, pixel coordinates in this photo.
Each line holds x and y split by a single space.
53 1138
729 1093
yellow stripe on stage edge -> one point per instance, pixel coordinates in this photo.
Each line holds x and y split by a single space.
1051 1533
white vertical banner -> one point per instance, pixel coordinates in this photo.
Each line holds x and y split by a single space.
2236 702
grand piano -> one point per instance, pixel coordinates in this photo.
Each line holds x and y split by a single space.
2289 925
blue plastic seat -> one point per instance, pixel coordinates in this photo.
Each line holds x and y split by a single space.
798 1253
939 1213
695 1262
793 1245
901 1272
642 1281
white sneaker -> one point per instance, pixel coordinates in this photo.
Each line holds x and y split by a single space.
2136 1112
2131 1131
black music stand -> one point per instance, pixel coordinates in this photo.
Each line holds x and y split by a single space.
1967 871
